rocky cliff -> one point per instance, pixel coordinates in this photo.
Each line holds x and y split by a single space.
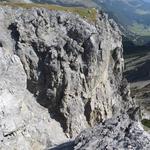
59 74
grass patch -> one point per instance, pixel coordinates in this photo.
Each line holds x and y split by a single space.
146 122
87 13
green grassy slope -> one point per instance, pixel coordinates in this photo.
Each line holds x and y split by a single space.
87 13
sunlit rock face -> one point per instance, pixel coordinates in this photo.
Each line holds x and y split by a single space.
59 74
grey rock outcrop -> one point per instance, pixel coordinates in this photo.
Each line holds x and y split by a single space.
119 133
69 66
59 75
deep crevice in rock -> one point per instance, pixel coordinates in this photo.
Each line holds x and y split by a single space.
14 33
87 111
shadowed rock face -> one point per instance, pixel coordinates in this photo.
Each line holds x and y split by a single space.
60 73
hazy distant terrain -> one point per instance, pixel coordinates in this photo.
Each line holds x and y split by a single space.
133 14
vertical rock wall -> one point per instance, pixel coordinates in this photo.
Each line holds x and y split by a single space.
65 74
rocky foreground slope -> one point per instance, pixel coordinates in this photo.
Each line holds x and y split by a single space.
61 74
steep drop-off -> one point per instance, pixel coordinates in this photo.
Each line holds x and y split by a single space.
60 74
137 73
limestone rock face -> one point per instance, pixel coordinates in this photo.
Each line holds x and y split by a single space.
59 75
73 68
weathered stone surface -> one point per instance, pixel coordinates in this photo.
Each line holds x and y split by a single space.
73 68
59 75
